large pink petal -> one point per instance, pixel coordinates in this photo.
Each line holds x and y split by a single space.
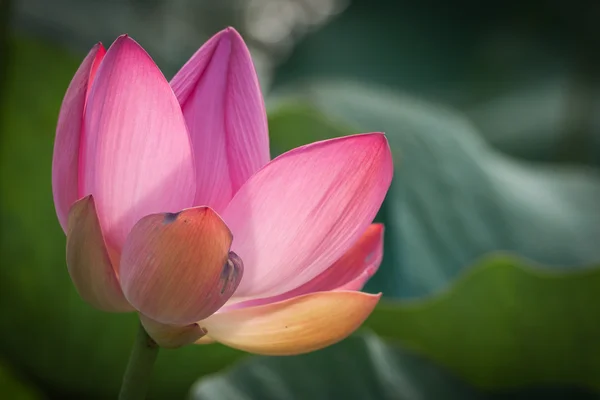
65 162
136 158
294 326
300 213
177 269
220 97
350 272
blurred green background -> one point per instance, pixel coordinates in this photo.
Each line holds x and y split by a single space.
491 274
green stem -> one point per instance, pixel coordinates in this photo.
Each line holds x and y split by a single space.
139 369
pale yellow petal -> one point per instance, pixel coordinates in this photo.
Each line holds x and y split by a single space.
294 326
205 340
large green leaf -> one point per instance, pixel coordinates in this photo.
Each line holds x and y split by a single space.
506 323
453 198
532 94
47 330
361 367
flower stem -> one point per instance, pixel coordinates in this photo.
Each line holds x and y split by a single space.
139 369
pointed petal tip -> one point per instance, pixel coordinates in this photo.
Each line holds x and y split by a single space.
231 33
231 37
89 200
222 37
378 227
375 137
380 136
127 42
98 46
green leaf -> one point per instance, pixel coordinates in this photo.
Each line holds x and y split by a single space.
54 336
531 96
453 198
506 323
361 367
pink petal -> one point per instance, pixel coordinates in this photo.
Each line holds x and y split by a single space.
223 106
298 215
88 261
171 336
136 156
368 253
350 272
176 268
294 326
65 162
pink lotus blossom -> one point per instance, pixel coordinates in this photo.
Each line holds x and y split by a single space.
173 208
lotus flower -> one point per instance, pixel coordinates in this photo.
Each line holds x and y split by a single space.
173 208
